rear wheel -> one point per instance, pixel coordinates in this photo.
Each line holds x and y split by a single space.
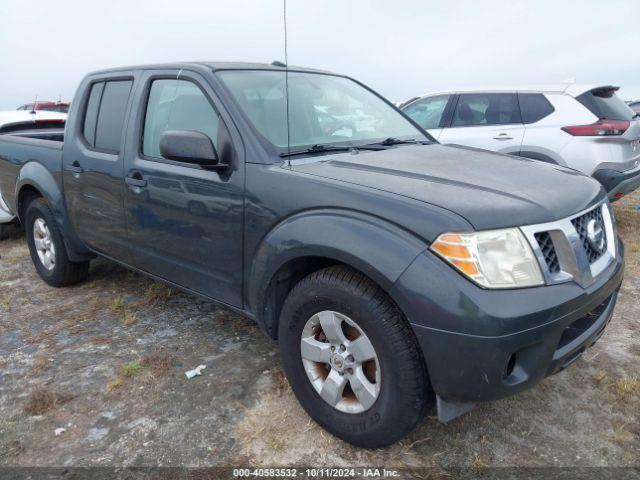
352 359
47 248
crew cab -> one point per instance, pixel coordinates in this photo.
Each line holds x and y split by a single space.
394 272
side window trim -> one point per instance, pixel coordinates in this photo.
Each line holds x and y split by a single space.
104 81
145 105
447 116
95 125
85 112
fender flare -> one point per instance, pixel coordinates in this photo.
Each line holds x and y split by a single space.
540 156
377 248
37 176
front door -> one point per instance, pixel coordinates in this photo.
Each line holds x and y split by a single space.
93 166
184 221
490 121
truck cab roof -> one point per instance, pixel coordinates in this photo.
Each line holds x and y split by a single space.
212 65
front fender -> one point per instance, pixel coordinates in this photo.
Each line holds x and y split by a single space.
375 247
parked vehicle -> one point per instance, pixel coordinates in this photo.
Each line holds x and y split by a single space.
60 107
6 218
584 127
45 125
392 270
635 106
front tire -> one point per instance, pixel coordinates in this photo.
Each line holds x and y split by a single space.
47 248
351 358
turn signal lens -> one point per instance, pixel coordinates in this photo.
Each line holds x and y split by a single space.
493 259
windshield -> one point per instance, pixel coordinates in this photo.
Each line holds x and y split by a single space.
323 109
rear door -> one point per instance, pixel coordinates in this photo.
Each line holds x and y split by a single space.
185 222
93 166
491 121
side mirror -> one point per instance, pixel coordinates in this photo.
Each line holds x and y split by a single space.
189 147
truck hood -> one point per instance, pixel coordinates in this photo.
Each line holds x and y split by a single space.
489 190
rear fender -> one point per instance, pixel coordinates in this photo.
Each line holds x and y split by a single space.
36 176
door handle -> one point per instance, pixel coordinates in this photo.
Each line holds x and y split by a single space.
503 136
135 182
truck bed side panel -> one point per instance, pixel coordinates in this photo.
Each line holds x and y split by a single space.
28 161
37 164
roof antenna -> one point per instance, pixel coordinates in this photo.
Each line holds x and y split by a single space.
33 109
286 82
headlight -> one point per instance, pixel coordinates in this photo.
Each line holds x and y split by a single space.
493 259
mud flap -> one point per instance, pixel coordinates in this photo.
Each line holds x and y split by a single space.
448 411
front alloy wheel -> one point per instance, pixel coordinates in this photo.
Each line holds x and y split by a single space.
340 362
352 359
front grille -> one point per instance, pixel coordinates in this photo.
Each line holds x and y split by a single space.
580 223
548 251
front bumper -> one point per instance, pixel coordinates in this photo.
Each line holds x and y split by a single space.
484 345
616 183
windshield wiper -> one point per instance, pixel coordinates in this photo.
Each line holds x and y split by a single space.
391 141
318 148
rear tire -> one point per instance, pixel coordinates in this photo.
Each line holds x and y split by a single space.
47 248
398 392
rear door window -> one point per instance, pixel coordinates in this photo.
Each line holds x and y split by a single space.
605 104
534 107
428 112
113 108
477 109
176 105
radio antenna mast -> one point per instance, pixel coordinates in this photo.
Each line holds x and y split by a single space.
33 109
286 81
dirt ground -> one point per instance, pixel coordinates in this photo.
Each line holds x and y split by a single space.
106 360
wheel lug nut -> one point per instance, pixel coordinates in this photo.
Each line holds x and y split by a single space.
333 349
342 348
350 371
350 358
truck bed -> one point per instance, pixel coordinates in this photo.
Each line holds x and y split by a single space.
18 151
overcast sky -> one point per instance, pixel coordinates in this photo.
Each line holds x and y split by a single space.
400 48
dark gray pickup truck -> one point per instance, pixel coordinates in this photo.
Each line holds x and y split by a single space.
392 270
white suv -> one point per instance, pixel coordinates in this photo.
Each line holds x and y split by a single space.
584 127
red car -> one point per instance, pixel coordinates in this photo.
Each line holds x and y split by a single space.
62 107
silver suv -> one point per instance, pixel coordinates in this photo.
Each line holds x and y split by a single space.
584 127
